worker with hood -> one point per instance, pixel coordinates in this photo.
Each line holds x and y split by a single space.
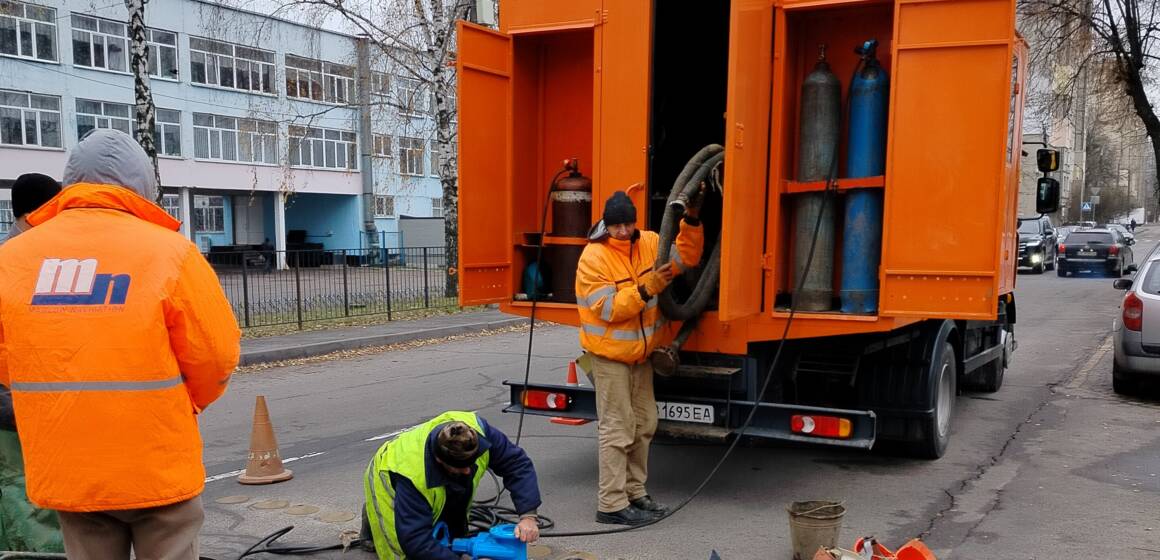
23 527
620 325
114 335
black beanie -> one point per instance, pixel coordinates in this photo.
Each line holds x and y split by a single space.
31 191
619 210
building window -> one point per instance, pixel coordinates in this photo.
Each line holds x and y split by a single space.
319 81
231 66
6 217
217 137
410 156
28 119
384 206
99 114
411 96
437 207
100 43
209 214
171 203
27 30
380 83
167 133
381 145
162 47
323 148
436 160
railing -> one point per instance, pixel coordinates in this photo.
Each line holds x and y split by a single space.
321 284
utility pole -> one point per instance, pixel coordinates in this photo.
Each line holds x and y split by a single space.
139 62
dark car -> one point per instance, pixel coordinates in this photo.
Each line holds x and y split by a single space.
1037 244
1098 250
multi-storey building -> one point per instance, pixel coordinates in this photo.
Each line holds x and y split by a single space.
266 129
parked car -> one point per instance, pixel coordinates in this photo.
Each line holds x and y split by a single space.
1098 250
1123 230
1037 244
1136 329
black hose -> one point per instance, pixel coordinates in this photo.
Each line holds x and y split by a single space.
684 188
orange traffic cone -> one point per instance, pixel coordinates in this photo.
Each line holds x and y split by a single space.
265 463
572 381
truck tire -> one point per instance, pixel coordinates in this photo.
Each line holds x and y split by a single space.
942 376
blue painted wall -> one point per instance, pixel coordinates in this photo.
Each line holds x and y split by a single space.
223 238
330 219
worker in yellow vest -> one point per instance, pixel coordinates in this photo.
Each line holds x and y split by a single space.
430 473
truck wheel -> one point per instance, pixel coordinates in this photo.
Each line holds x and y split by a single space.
989 378
937 427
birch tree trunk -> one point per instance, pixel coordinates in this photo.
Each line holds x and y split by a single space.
143 96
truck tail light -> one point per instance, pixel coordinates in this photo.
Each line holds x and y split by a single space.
1114 250
821 426
1133 312
546 400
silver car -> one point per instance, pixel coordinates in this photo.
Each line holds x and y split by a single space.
1136 329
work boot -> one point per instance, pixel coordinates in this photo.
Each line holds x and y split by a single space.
646 503
627 516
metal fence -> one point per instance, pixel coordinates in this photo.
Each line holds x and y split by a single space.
330 284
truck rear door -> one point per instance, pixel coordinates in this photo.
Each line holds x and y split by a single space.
485 262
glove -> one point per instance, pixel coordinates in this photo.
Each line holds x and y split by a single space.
654 282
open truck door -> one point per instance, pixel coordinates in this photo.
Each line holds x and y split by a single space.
484 68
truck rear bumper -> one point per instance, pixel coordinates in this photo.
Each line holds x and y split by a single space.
772 421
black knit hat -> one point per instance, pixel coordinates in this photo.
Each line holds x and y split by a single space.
31 191
619 210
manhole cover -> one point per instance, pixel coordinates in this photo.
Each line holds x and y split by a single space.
270 504
302 510
539 552
232 500
336 517
577 556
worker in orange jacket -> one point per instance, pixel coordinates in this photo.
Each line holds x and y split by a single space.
114 335
620 325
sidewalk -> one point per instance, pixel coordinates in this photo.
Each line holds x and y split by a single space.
316 343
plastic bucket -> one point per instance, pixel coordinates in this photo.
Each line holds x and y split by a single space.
814 524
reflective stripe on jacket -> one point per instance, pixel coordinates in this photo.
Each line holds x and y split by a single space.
615 322
406 455
114 334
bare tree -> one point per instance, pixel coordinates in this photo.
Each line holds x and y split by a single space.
139 61
1104 49
414 40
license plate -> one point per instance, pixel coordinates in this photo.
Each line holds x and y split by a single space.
1084 253
685 412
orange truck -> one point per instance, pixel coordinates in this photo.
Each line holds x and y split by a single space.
633 88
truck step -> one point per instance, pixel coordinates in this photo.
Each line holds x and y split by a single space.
705 372
689 430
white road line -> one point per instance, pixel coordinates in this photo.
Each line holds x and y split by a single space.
1085 372
387 435
232 474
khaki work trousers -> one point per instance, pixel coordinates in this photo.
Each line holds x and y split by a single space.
627 412
160 533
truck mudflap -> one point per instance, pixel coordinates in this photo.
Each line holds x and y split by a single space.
773 421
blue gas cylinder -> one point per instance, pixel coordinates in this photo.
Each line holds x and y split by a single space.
866 157
534 283
500 543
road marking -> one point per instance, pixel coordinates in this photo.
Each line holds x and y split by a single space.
1081 376
232 474
387 435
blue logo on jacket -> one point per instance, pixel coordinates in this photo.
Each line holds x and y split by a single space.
76 282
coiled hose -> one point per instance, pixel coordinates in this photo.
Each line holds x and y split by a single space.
687 187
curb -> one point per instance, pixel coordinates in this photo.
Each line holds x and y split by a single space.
253 357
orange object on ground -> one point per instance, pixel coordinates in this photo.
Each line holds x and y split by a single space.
914 549
114 334
265 463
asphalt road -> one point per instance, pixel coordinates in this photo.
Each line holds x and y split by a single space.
1053 465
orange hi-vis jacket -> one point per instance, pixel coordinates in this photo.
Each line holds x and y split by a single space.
615 322
114 334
